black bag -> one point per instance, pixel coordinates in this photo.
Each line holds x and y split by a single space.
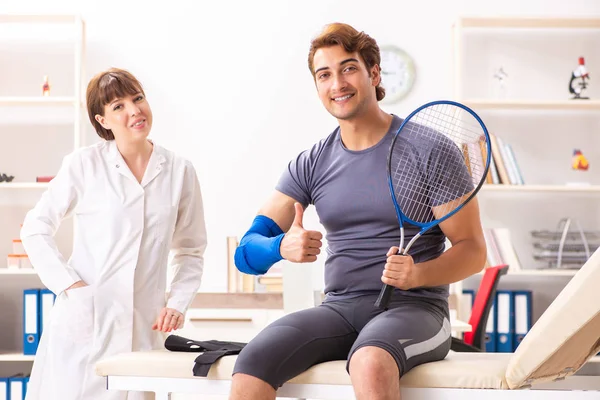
211 350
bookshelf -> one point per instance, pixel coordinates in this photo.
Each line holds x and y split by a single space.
38 131
533 111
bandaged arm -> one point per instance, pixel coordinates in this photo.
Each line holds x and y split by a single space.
259 248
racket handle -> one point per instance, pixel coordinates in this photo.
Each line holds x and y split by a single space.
384 297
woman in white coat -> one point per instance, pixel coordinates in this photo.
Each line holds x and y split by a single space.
133 202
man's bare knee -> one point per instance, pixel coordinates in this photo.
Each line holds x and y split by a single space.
374 374
372 360
249 387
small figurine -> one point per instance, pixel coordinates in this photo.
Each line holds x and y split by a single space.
579 73
6 178
46 87
579 162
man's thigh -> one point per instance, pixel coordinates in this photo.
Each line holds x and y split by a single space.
413 333
294 343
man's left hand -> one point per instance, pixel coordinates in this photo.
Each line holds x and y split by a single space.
168 320
400 271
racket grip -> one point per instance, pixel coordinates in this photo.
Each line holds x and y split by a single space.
384 297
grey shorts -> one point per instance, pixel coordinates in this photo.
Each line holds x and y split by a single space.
413 330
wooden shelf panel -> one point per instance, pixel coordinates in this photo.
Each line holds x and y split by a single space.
567 105
37 101
23 185
15 357
23 271
541 272
37 18
541 188
544 272
530 23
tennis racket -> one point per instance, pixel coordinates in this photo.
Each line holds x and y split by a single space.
438 160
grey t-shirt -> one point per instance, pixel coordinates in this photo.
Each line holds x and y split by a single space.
352 198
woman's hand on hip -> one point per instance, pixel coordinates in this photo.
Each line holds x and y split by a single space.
76 285
168 320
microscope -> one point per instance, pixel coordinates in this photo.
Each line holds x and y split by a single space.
577 87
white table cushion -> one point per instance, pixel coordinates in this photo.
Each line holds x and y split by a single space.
458 370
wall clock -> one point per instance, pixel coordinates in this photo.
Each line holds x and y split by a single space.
397 73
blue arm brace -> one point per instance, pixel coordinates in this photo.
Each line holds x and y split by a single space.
259 248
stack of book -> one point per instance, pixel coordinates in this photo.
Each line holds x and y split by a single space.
500 249
503 169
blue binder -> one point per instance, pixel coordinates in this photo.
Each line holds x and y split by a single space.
18 387
31 321
523 312
466 305
469 296
490 330
45 306
505 321
4 389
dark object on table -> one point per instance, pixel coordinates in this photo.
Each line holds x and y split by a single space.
211 350
6 178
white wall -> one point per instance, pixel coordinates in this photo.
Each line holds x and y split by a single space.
230 88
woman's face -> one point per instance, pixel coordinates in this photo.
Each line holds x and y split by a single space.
129 118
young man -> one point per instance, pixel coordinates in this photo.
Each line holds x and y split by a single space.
344 177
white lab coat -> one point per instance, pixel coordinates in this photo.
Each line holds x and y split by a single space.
124 232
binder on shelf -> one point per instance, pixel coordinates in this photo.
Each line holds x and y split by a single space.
523 311
466 304
45 306
4 389
18 387
25 385
490 330
31 321
469 296
505 321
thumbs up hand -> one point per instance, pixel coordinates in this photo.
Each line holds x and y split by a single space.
298 244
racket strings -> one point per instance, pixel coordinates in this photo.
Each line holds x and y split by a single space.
436 161
458 125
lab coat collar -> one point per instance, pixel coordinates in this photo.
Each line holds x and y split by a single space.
155 165
153 169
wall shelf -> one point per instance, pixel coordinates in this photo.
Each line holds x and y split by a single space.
541 272
540 188
15 357
22 271
23 185
37 18
529 23
37 101
567 105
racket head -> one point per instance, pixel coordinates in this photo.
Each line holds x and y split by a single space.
438 160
